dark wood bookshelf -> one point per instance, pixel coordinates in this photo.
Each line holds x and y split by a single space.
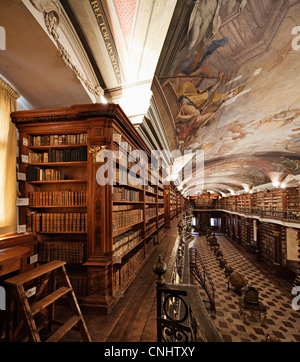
104 275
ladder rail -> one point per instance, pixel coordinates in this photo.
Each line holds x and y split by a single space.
47 303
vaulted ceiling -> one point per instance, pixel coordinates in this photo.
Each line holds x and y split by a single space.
171 66
213 48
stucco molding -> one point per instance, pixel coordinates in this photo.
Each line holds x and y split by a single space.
52 12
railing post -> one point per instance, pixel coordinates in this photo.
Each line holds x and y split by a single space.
159 268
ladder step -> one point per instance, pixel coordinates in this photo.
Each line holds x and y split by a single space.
57 335
34 273
49 299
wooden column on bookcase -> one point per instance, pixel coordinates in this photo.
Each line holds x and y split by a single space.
99 250
226 224
248 233
231 226
277 250
167 206
238 229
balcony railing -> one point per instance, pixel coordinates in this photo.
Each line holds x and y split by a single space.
289 215
181 313
182 317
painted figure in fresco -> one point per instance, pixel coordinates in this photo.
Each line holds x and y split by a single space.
204 24
199 108
197 60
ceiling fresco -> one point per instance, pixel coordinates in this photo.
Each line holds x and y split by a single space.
227 82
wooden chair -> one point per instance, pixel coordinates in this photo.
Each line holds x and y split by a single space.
251 306
46 274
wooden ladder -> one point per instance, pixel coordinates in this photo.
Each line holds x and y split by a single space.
46 273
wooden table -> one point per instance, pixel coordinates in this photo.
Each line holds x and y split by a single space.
10 259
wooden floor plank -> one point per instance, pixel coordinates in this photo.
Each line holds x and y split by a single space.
132 315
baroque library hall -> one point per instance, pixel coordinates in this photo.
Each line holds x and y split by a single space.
149 173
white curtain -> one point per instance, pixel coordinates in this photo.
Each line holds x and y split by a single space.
8 148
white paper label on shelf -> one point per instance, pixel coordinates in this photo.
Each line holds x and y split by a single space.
30 292
33 258
23 202
24 158
21 229
21 176
25 141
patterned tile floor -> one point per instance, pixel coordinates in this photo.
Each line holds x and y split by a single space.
282 320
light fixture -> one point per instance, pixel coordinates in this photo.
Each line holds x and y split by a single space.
246 188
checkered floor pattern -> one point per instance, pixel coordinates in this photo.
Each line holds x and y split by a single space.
282 320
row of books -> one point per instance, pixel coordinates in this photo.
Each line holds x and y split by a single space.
57 222
150 198
53 155
35 173
161 210
118 138
151 242
150 212
149 188
122 275
160 223
150 231
126 241
126 148
79 283
71 252
122 194
57 139
124 215
123 177
58 198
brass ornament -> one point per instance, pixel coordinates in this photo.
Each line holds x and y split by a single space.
94 150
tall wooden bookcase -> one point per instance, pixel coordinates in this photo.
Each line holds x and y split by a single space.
172 203
104 232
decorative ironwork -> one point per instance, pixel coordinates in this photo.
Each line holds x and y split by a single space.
159 268
172 316
200 273
181 314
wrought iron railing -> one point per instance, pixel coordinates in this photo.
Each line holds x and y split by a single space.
291 215
182 317
181 314
202 276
